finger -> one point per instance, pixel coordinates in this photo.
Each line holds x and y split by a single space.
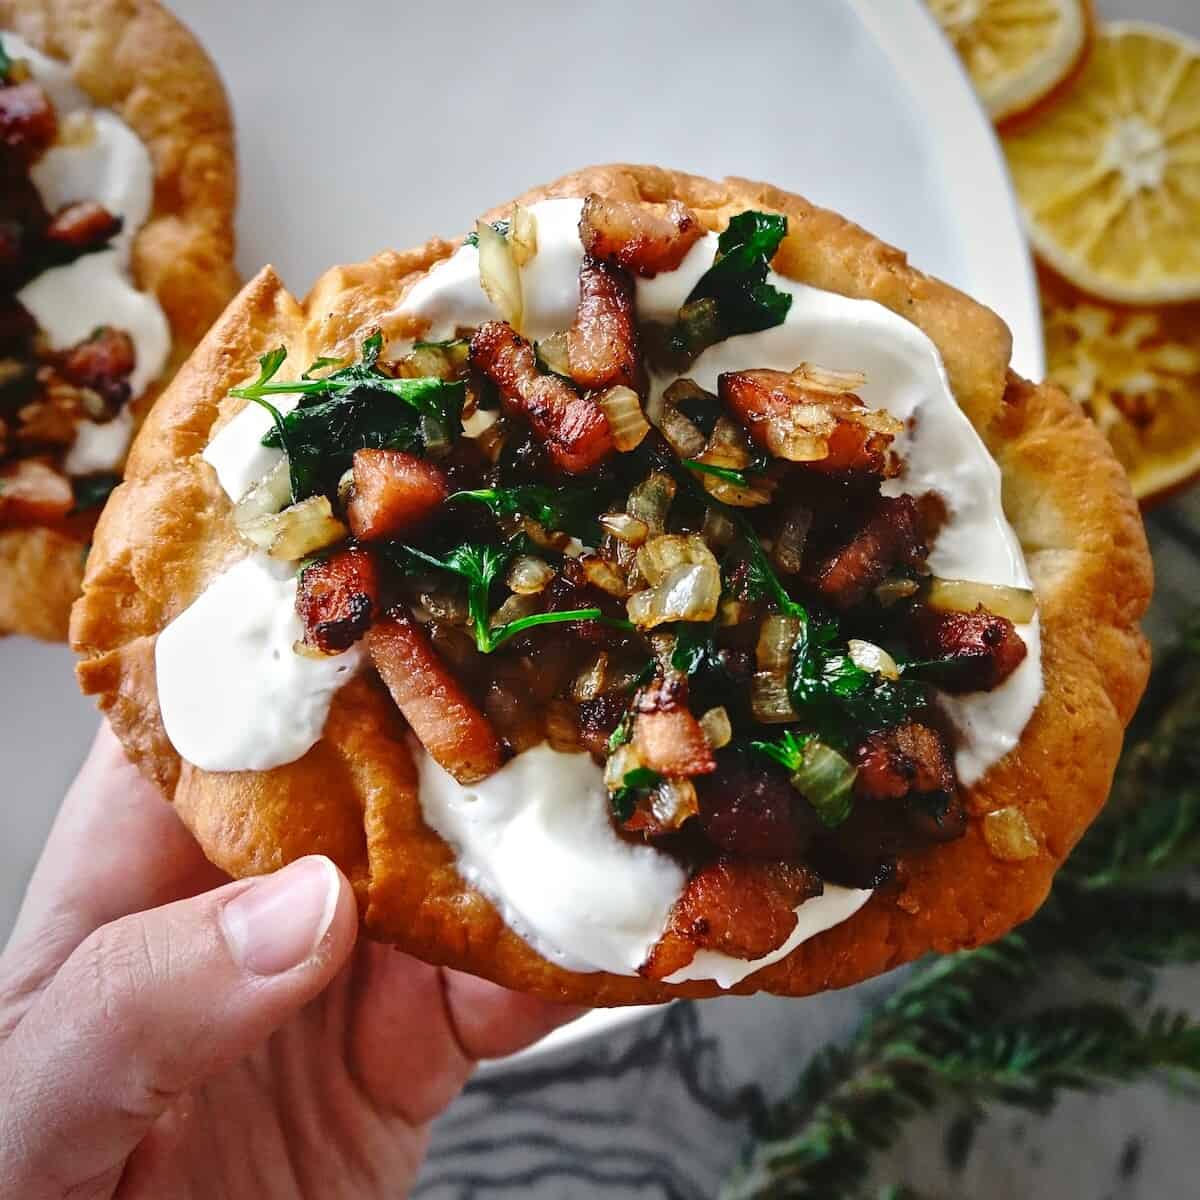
116 847
152 1004
491 1022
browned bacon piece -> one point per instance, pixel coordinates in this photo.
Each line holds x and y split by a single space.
85 225
337 598
666 736
574 428
890 536
28 123
433 702
32 491
637 237
826 431
736 907
393 493
907 759
102 362
980 649
602 345
751 810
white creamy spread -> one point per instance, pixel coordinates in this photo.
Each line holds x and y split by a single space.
536 837
234 694
98 157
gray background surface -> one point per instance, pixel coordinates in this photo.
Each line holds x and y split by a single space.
658 1110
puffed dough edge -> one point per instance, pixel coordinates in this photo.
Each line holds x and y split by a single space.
133 57
167 531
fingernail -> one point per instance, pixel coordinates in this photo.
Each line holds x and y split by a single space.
278 922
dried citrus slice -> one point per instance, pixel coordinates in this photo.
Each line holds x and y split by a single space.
1017 51
1110 178
1137 372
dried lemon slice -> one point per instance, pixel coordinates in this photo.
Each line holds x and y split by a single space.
1137 372
1110 178
1017 51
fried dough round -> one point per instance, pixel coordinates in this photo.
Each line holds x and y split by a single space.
167 531
133 57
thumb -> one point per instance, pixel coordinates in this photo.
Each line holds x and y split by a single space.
151 1005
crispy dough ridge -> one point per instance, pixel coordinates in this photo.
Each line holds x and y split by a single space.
133 57
354 794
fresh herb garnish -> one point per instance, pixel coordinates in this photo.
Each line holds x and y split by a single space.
501 227
839 697
481 566
733 295
348 410
93 490
634 784
554 509
818 771
6 63
741 478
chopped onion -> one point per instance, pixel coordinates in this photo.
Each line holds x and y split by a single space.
803 433
826 379
729 448
498 274
890 591
869 657
296 532
602 574
673 802
620 762
446 606
650 500
527 575
685 438
788 552
625 528
562 726
776 638
769 699
552 351
669 550
717 727
490 439
589 683
685 582
432 361
513 609
963 595
734 612
539 535
522 234
825 780
626 421
718 530
268 496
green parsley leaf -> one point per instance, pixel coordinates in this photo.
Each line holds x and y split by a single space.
553 508
5 63
634 784
740 478
787 750
481 566
501 227
819 773
350 409
733 296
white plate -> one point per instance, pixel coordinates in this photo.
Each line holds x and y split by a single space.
379 124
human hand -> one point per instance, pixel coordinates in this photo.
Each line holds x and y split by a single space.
166 1033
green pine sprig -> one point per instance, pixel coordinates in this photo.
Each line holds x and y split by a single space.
968 1027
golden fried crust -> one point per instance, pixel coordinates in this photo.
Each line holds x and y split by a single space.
354 794
133 57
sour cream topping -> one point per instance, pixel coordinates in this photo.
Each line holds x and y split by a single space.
97 157
234 694
536 837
